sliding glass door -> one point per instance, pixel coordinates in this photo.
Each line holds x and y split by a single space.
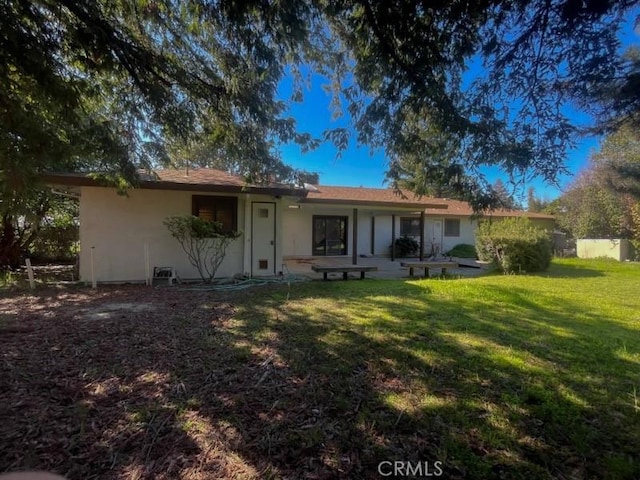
329 235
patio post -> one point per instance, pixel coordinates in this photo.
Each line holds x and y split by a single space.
373 234
354 260
393 237
422 236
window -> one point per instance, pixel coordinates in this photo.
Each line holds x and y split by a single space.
410 227
452 227
217 209
329 235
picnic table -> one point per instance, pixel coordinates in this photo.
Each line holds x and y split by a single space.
427 265
344 269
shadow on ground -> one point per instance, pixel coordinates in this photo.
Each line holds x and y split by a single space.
312 381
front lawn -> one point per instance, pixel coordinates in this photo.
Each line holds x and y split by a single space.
532 376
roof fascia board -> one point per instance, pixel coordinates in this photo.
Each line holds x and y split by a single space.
85 181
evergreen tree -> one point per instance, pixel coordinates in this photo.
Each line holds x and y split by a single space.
504 198
114 85
534 203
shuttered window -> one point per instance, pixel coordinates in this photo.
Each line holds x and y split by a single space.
452 227
217 209
409 227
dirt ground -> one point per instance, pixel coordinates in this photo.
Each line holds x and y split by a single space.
114 383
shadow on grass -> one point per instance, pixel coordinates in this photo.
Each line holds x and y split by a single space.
571 270
324 380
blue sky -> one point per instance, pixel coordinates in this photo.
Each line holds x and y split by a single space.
358 166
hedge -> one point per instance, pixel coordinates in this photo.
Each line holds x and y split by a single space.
514 245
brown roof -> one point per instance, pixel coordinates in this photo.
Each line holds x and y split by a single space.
368 196
210 179
197 179
460 208
387 196
194 176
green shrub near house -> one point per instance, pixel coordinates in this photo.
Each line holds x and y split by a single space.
514 245
463 250
406 246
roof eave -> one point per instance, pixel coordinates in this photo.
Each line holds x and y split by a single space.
329 201
86 181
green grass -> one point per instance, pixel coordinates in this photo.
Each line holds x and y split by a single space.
498 377
533 376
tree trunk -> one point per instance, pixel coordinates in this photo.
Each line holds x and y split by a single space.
9 244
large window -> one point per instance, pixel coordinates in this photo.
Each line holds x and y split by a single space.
217 209
452 227
329 235
409 227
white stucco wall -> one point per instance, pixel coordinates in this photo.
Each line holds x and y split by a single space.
594 248
467 233
297 228
118 227
382 237
364 232
383 233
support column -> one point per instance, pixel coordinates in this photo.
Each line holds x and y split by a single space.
422 236
393 238
373 234
247 236
354 249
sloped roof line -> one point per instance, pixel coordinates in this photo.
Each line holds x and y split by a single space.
217 180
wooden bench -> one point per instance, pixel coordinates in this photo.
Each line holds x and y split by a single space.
428 265
345 269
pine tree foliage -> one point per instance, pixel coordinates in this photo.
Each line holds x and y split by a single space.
444 87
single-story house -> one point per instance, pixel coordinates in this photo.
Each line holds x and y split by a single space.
120 236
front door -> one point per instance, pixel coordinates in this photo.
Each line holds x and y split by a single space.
263 239
436 238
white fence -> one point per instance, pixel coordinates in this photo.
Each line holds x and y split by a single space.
603 247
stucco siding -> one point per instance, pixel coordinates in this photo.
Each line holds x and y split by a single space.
383 234
364 233
384 231
467 234
297 227
297 237
117 228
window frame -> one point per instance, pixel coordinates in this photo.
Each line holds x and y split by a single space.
411 219
445 230
341 218
214 202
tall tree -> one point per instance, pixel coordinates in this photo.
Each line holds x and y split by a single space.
505 198
534 202
618 160
591 210
106 85
118 79
494 76
91 83
602 202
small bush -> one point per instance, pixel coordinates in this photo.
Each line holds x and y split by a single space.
406 246
204 242
514 245
55 243
463 250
